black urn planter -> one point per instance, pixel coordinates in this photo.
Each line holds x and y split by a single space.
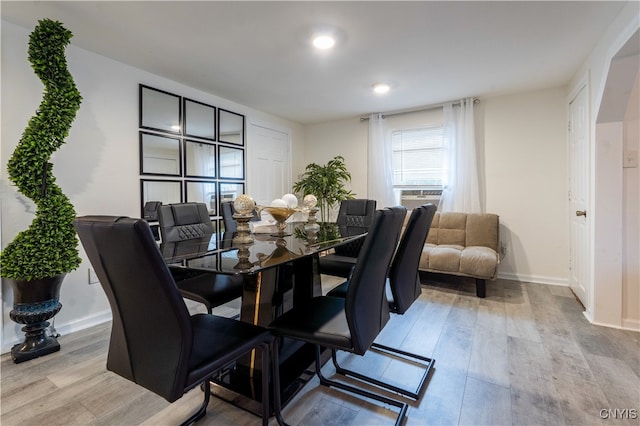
34 303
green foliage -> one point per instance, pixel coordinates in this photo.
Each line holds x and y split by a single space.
49 246
326 183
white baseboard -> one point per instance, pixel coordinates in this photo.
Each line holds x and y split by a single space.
617 326
537 279
67 328
630 324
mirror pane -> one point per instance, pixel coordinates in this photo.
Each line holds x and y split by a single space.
231 162
159 155
199 120
166 191
230 191
159 110
203 192
200 159
230 127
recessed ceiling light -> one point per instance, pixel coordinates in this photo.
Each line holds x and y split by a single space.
381 88
324 41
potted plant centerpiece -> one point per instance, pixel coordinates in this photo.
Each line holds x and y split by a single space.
326 183
38 258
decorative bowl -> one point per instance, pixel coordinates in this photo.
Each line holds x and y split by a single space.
280 214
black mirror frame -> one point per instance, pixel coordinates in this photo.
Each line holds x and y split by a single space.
141 153
214 115
212 204
186 159
221 199
221 121
178 101
222 175
142 193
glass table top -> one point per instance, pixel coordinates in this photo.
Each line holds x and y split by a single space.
219 253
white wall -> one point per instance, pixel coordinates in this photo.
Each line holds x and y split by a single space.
526 182
522 140
345 137
97 167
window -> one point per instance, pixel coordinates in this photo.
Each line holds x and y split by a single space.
417 158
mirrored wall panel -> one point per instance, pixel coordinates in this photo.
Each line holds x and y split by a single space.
203 192
230 127
190 151
231 162
160 110
166 191
199 120
200 159
159 155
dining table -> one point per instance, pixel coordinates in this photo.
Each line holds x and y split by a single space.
279 270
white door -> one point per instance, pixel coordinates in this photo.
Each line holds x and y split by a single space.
269 174
579 216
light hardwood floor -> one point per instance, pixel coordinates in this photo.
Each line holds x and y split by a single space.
525 355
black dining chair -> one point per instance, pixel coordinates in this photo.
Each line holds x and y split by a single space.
403 288
190 222
150 214
229 223
354 218
154 342
350 324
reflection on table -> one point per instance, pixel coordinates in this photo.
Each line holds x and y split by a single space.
219 253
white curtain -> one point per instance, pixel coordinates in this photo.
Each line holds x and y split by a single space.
461 188
380 164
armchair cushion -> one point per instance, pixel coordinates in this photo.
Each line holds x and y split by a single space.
463 244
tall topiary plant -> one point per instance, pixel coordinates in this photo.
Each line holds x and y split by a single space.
49 246
326 183
38 258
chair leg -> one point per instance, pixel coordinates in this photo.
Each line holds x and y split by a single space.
265 348
415 394
481 287
402 406
428 364
277 402
203 408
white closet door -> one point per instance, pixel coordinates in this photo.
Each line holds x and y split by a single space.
579 217
269 172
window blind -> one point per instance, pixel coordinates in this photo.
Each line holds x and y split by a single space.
417 157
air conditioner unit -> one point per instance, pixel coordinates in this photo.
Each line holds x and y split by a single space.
412 198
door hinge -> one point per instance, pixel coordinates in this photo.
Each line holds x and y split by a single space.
569 126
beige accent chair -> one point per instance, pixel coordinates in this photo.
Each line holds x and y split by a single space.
463 244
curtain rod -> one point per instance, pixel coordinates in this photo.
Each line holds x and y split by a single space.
426 108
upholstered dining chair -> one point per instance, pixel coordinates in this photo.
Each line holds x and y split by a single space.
188 222
403 288
229 223
154 342
350 324
354 218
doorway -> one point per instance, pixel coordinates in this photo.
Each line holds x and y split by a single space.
616 271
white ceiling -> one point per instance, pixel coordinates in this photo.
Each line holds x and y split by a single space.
258 53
